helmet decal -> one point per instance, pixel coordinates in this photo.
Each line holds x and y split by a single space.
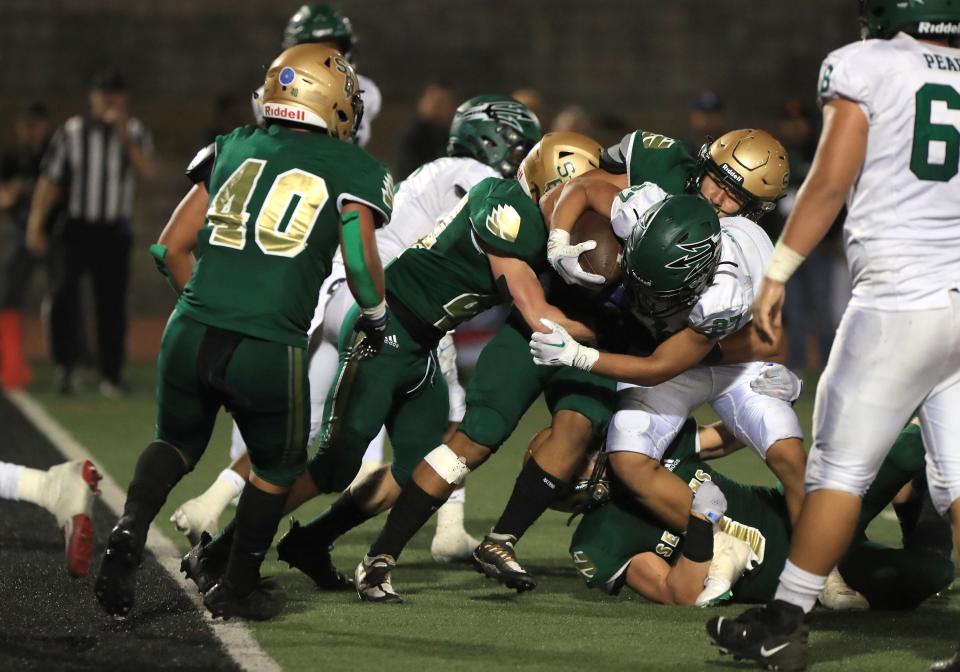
699 255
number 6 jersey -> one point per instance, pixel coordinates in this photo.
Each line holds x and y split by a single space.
902 232
272 226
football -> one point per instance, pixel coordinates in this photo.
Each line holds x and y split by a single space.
604 259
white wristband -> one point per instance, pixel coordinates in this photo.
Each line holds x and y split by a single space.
783 263
585 358
376 312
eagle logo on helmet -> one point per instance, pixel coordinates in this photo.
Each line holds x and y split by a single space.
507 113
699 255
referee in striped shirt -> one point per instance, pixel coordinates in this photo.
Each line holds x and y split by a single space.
91 169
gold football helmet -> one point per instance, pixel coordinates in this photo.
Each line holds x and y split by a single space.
314 85
751 164
557 158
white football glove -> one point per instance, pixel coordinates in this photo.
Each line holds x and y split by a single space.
710 502
777 381
565 259
558 348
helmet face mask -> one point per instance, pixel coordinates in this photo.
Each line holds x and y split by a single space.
496 130
671 256
312 85
933 19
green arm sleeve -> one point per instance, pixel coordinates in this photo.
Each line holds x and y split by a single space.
354 260
159 253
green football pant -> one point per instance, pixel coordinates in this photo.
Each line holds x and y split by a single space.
401 387
263 384
506 382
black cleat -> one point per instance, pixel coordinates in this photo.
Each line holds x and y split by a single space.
205 571
496 557
372 579
774 636
118 572
951 664
296 550
264 602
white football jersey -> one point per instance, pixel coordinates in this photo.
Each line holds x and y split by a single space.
726 304
427 195
902 233
372 102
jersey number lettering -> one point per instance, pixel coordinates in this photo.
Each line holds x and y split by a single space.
287 216
925 133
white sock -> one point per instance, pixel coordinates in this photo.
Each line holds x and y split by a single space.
235 480
222 491
9 480
33 487
450 518
799 587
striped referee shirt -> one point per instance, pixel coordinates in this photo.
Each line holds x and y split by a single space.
87 161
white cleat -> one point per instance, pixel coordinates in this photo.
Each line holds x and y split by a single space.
839 596
732 558
196 516
70 488
372 579
452 546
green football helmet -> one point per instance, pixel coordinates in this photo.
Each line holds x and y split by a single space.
319 23
920 18
496 130
671 255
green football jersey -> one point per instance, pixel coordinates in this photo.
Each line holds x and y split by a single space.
608 537
273 225
444 278
651 157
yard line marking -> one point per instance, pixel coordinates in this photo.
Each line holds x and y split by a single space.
237 639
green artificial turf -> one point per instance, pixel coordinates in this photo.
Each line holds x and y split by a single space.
454 619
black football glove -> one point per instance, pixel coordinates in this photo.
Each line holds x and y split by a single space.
373 330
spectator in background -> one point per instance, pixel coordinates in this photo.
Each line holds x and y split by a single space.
230 111
426 139
92 166
19 167
808 318
706 120
575 119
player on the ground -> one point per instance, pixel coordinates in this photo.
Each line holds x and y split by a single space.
489 136
506 381
313 23
890 147
690 282
622 544
65 490
281 198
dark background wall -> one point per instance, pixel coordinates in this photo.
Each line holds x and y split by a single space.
640 60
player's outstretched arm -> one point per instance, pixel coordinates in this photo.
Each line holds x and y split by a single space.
653 578
680 352
528 298
173 251
717 441
595 190
839 158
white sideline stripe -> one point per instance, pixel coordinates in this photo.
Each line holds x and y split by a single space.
235 636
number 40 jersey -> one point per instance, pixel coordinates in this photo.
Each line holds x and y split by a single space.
902 232
272 226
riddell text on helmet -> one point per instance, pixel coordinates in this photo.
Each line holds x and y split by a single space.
284 112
